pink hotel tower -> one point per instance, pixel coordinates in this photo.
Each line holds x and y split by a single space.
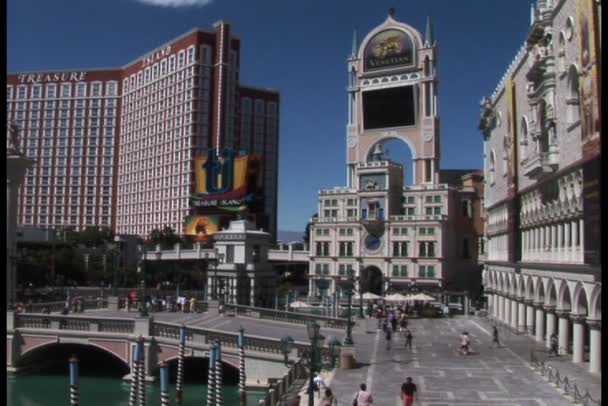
116 147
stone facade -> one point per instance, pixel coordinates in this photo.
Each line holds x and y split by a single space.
541 132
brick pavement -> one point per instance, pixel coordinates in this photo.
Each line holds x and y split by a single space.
491 376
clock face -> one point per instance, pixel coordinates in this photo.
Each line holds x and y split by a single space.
372 243
428 137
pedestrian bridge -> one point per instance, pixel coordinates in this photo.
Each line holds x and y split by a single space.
284 253
27 333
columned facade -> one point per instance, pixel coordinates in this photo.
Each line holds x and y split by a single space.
541 141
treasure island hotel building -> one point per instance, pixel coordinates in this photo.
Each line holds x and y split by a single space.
393 237
115 147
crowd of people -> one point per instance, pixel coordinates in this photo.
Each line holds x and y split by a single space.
163 303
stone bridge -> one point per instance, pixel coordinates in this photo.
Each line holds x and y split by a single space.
27 333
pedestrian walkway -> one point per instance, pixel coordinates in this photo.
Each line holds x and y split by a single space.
490 376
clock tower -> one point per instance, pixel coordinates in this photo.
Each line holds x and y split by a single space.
392 94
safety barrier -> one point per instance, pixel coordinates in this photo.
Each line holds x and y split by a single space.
553 376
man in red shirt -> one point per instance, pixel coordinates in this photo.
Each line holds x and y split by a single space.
408 389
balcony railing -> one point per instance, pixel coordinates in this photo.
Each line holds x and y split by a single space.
538 165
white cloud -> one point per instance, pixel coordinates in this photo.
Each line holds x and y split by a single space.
176 3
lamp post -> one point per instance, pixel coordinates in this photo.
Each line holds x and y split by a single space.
117 246
334 347
348 287
286 347
360 280
314 359
143 311
219 259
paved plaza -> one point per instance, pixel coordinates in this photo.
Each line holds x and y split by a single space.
491 376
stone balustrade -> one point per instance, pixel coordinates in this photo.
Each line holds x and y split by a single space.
279 388
287 317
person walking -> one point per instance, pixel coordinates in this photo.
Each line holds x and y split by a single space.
495 340
464 343
393 319
408 391
363 397
408 338
389 337
553 346
328 398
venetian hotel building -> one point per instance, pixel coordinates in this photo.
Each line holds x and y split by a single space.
115 147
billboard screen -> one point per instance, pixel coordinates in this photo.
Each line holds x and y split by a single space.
202 228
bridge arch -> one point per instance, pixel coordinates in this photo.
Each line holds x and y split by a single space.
53 356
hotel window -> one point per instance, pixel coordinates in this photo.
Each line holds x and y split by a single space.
180 59
400 248
9 92
426 249
21 92
81 89
36 91
426 271
96 89
190 55
51 91
400 271
346 249
410 211
345 270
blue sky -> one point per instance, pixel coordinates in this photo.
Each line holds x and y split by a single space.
298 47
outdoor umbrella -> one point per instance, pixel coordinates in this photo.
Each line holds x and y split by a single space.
298 304
396 297
421 297
371 296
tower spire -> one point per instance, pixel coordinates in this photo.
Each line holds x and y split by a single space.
429 40
355 49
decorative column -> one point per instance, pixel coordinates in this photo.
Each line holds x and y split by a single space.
521 316
567 242
490 299
180 364
550 324
563 331
74 393
242 393
540 252
507 313
578 336
501 307
496 306
211 376
540 323
164 385
595 346
581 238
514 314
575 241
529 316
16 166
219 389
560 242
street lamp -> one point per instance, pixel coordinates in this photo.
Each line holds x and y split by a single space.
315 359
360 280
334 348
286 347
348 287
141 268
116 246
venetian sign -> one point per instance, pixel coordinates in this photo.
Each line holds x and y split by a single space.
388 48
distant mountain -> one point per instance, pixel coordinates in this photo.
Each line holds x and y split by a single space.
290 236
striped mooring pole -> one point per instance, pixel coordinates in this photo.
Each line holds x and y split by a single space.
211 377
242 393
134 377
164 384
74 394
180 364
141 373
219 389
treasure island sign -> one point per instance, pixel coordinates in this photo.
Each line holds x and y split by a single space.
388 48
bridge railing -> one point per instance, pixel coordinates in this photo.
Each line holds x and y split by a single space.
287 317
52 307
280 387
230 340
74 323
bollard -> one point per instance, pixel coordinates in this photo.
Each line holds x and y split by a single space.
219 389
242 392
141 375
164 385
180 364
211 377
74 395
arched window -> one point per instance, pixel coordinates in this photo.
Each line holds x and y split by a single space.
561 53
427 66
505 154
572 101
543 140
524 137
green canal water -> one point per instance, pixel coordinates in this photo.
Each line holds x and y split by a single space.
53 390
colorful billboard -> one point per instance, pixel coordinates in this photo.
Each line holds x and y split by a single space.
588 62
202 228
226 181
389 48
